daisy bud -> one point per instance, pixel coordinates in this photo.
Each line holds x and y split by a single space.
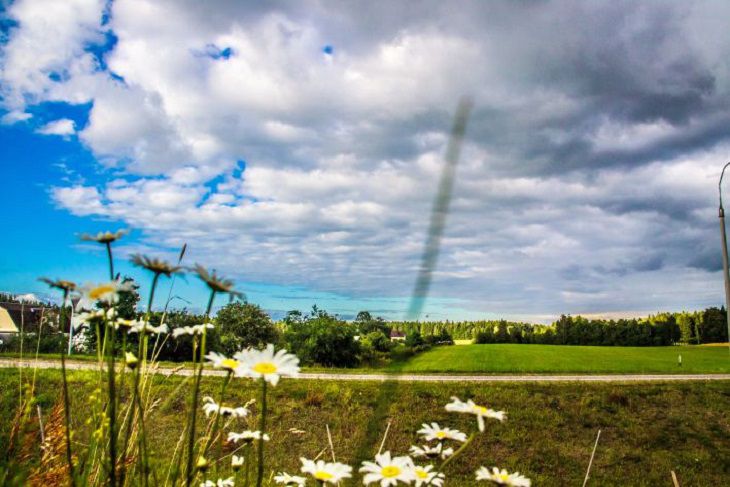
202 464
131 360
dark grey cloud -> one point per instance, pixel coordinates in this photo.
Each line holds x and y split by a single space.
588 174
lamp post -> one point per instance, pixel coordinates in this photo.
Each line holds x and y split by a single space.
726 275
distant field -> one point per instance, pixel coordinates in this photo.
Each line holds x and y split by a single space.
511 358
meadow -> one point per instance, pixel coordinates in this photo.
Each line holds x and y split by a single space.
522 358
647 429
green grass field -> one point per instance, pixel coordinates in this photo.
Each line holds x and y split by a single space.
510 358
535 359
647 429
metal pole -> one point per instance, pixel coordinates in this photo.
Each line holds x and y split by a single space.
725 272
70 328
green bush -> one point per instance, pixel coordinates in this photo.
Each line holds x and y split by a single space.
244 325
323 339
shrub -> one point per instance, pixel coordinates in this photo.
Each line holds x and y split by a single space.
323 339
244 325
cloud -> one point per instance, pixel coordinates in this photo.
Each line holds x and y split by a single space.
15 116
63 127
588 175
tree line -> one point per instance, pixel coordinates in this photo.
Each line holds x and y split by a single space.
706 326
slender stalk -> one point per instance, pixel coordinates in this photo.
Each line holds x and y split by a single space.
590 463
67 419
262 430
20 369
216 425
452 457
189 472
111 260
109 336
145 468
247 461
37 351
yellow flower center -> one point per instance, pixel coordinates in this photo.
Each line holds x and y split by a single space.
390 471
421 474
265 368
503 477
480 410
229 363
99 291
440 435
322 475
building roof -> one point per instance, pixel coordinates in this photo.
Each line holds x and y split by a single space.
7 325
27 316
397 334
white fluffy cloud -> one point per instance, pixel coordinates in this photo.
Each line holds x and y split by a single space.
587 179
62 127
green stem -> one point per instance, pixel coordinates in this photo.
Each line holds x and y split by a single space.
111 260
145 467
67 418
247 462
448 460
189 472
216 425
109 336
262 429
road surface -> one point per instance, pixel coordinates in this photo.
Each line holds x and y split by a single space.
47 364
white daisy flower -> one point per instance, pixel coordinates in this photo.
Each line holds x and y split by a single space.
289 480
85 318
246 436
435 432
425 476
267 364
388 471
220 483
105 292
191 330
426 451
481 412
220 361
326 472
502 477
211 407
140 326
236 462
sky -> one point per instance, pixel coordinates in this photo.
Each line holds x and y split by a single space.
296 148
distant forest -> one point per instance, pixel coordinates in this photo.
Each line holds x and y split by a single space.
708 326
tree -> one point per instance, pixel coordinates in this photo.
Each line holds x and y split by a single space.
714 326
323 339
244 325
684 321
127 307
366 324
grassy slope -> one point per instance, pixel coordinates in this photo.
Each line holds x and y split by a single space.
648 429
510 358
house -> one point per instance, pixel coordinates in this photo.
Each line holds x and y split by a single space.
14 316
7 325
397 336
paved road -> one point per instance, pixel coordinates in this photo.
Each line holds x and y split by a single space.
46 364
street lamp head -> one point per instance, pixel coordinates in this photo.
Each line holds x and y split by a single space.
719 187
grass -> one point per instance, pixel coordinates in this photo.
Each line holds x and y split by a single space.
528 359
648 429
511 358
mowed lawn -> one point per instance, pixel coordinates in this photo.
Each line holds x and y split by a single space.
511 358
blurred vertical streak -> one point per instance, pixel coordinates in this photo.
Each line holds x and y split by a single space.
439 211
